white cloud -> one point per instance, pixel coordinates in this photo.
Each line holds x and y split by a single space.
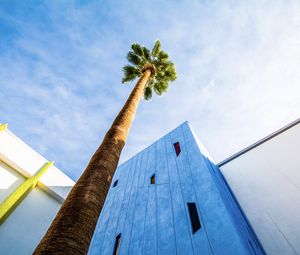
238 77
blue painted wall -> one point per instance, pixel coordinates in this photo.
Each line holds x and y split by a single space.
154 218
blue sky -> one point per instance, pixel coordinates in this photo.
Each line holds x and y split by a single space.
60 71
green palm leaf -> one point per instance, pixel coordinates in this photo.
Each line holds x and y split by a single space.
160 87
147 93
162 69
137 49
156 48
163 56
134 59
130 73
146 53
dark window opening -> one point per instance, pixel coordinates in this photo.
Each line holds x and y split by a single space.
177 148
117 244
152 179
115 183
194 217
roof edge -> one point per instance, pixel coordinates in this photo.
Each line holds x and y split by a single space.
259 142
200 145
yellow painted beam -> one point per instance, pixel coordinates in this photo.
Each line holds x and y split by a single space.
3 127
11 202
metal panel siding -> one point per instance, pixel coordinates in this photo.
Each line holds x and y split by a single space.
154 219
143 168
127 195
161 163
151 164
127 230
213 208
139 221
181 224
165 232
150 236
185 181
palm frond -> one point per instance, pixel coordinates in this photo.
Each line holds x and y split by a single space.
150 83
163 55
160 75
130 73
146 53
165 86
134 59
147 93
161 87
162 69
161 63
156 48
170 74
166 64
137 49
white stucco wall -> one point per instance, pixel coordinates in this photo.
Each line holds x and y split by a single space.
9 180
22 230
266 182
26 225
19 155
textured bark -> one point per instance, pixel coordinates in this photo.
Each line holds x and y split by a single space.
73 227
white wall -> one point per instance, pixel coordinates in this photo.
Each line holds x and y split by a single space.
22 230
9 180
19 155
266 182
26 225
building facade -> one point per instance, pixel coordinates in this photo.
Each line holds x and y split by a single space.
171 199
265 178
31 193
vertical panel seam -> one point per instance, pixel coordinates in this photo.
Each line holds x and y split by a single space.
115 190
135 203
171 196
201 215
108 220
184 202
142 244
143 240
128 175
129 195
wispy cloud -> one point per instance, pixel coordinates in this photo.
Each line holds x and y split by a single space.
60 72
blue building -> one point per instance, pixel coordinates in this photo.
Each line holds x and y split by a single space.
171 199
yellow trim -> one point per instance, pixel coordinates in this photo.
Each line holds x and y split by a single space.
11 202
3 127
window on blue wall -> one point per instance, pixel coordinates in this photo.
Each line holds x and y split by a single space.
194 217
177 148
117 244
115 183
152 179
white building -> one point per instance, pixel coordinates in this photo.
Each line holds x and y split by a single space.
31 192
265 178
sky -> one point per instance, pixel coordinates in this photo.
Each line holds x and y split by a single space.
61 68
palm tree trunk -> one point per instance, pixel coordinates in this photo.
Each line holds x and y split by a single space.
73 227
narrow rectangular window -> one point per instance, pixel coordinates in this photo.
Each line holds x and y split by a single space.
117 244
194 217
177 148
115 183
152 179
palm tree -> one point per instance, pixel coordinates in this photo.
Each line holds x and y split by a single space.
73 227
